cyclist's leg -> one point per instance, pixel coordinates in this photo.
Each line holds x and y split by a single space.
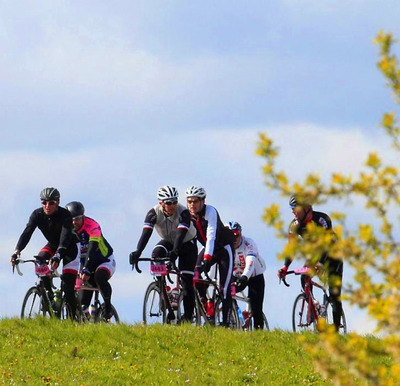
161 249
225 258
256 295
201 287
187 262
335 272
68 278
102 276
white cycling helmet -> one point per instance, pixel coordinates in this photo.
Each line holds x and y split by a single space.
195 191
167 192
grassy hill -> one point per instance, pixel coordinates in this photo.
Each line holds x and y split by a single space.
55 353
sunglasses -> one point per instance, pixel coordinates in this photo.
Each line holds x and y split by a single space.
193 201
77 218
49 203
170 202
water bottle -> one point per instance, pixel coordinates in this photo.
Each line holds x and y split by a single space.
210 308
175 298
92 311
240 313
246 317
322 310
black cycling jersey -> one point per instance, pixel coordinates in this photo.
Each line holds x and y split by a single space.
211 232
57 229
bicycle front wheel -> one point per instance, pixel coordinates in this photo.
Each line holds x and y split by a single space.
153 305
302 318
329 319
33 305
234 322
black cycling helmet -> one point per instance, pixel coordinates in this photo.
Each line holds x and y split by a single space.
294 201
75 208
50 194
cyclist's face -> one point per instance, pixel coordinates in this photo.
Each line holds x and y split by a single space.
77 222
169 207
194 204
49 207
238 239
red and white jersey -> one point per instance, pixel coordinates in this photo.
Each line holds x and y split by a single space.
247 259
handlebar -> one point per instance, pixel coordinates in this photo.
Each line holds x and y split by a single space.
35 261
155 260
300 271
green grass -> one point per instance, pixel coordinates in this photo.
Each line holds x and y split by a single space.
53 352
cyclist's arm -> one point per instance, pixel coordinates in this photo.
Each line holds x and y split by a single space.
251 252
27 233
182 229
148 226
66 236
211 216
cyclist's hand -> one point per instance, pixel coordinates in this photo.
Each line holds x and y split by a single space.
134 256
282 272
242 283
55 261
206 266
85 274
14 257
319 268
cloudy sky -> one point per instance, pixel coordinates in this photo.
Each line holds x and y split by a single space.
108 101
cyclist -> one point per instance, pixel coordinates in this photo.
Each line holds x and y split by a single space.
217 244
248 270
97 259
178 239
63 244
303 215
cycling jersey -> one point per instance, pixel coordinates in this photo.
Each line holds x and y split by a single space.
176 229
57 229
211 232
95 249
248 262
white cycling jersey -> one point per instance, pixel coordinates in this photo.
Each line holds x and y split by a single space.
247 259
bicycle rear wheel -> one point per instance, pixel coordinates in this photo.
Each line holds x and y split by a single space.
33 305
302 317
234 322
200 314
153 305
329 318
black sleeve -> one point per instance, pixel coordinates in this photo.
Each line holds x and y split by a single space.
91 255
28 231
66 236
183 226
149 222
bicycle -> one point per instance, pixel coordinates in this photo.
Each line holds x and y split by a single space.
37 300
208 307
307 311
96 311
246 319
158 305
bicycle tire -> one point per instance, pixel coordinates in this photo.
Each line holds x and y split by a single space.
300 320
329 318
234 323
33 305
99 318
200 315
153 306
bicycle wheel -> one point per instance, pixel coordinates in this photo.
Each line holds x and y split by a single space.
33 305
200 315
329 318
234 323
301 320
153 305
100 315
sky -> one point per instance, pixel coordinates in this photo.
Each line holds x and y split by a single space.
109 101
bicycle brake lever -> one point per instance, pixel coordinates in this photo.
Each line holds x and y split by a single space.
284 282
137 267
